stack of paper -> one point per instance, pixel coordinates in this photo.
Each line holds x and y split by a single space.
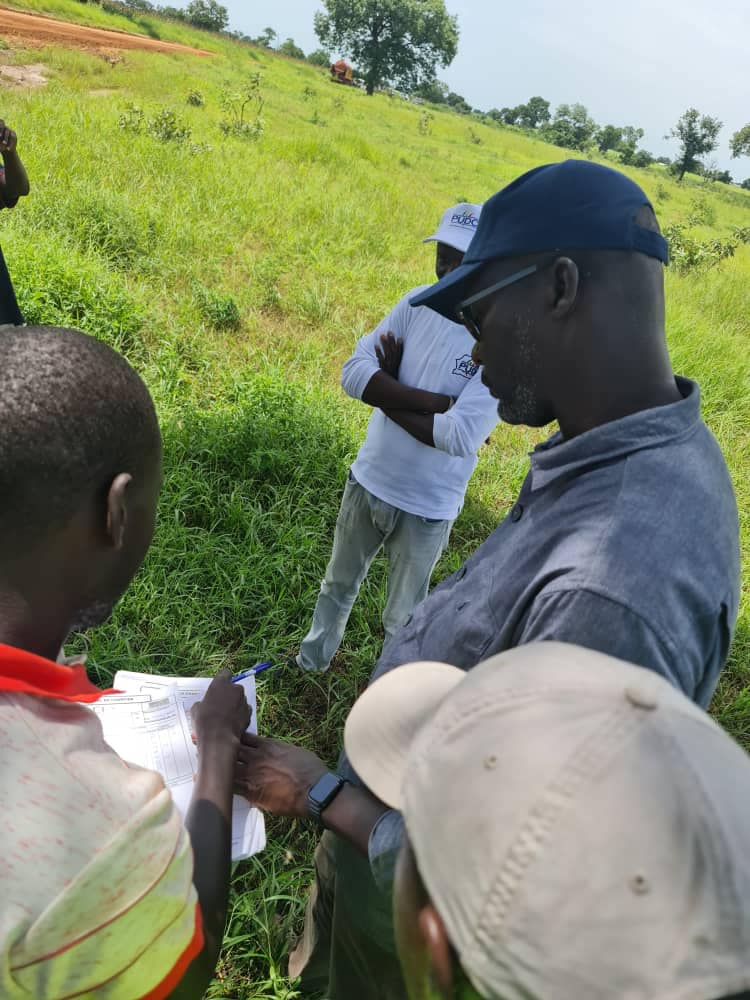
149 725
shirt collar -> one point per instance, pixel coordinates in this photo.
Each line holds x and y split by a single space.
26 673
618 438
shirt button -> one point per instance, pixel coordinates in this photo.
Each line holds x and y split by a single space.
461 573
517 513
461 605
407 620
642 696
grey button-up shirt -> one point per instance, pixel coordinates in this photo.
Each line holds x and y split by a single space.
624 539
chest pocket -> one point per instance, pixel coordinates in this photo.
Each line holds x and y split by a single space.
461 627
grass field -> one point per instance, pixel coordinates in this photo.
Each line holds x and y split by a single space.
308 235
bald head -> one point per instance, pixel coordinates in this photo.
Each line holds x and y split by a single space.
73 415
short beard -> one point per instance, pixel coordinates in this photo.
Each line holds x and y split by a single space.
523 404
92 616
525 408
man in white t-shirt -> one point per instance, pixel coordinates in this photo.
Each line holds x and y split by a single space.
407 485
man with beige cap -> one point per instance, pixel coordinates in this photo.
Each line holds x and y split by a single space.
576 829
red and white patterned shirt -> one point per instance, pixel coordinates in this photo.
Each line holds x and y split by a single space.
96 867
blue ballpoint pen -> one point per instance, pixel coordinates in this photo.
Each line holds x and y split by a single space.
257 669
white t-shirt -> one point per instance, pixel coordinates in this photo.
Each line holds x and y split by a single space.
393 465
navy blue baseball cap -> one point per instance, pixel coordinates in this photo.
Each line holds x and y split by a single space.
573 205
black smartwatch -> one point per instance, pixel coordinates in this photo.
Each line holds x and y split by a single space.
322 794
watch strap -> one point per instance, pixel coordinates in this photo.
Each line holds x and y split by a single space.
317 802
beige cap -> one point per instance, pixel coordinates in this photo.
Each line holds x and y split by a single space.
582 828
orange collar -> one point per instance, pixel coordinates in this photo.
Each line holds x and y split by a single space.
30 674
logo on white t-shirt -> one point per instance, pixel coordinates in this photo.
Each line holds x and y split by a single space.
465 367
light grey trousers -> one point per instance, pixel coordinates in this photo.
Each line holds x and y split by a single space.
365 524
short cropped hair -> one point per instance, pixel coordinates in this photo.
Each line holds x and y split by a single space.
73 414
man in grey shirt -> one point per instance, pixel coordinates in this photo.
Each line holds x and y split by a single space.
624 538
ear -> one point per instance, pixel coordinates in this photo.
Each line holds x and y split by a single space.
564 291
117 509
438 949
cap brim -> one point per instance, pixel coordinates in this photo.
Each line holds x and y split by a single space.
445 295
447 241
385 720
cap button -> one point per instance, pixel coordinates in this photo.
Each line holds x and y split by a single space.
641 697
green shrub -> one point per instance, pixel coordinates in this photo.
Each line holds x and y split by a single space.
242 109
195 99
221 311
132 119
424 125
242 130
702 213
167 126
687 252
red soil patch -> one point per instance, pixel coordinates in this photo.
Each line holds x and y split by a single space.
44 30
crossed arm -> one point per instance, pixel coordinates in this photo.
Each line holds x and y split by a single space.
413 409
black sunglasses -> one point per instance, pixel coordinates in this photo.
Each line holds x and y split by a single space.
464 310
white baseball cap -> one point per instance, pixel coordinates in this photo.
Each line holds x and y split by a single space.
581 827
457 226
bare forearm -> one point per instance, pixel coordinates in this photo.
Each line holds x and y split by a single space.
16 179
353 814
419 425
209 823
386 392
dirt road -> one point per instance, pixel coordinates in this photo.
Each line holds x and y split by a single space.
44 30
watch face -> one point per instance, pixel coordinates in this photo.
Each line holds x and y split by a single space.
323 789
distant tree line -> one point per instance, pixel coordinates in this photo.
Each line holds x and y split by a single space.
572 127
206 14
268 39
399 43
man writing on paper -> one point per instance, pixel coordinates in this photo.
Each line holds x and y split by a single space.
106 894
407 485
624 538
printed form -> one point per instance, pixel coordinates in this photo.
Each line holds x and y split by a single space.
149 725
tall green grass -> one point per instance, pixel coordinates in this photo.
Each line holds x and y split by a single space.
309 235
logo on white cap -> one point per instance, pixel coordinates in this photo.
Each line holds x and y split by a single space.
457 226
467 217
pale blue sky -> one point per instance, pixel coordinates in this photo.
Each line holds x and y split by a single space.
638 62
